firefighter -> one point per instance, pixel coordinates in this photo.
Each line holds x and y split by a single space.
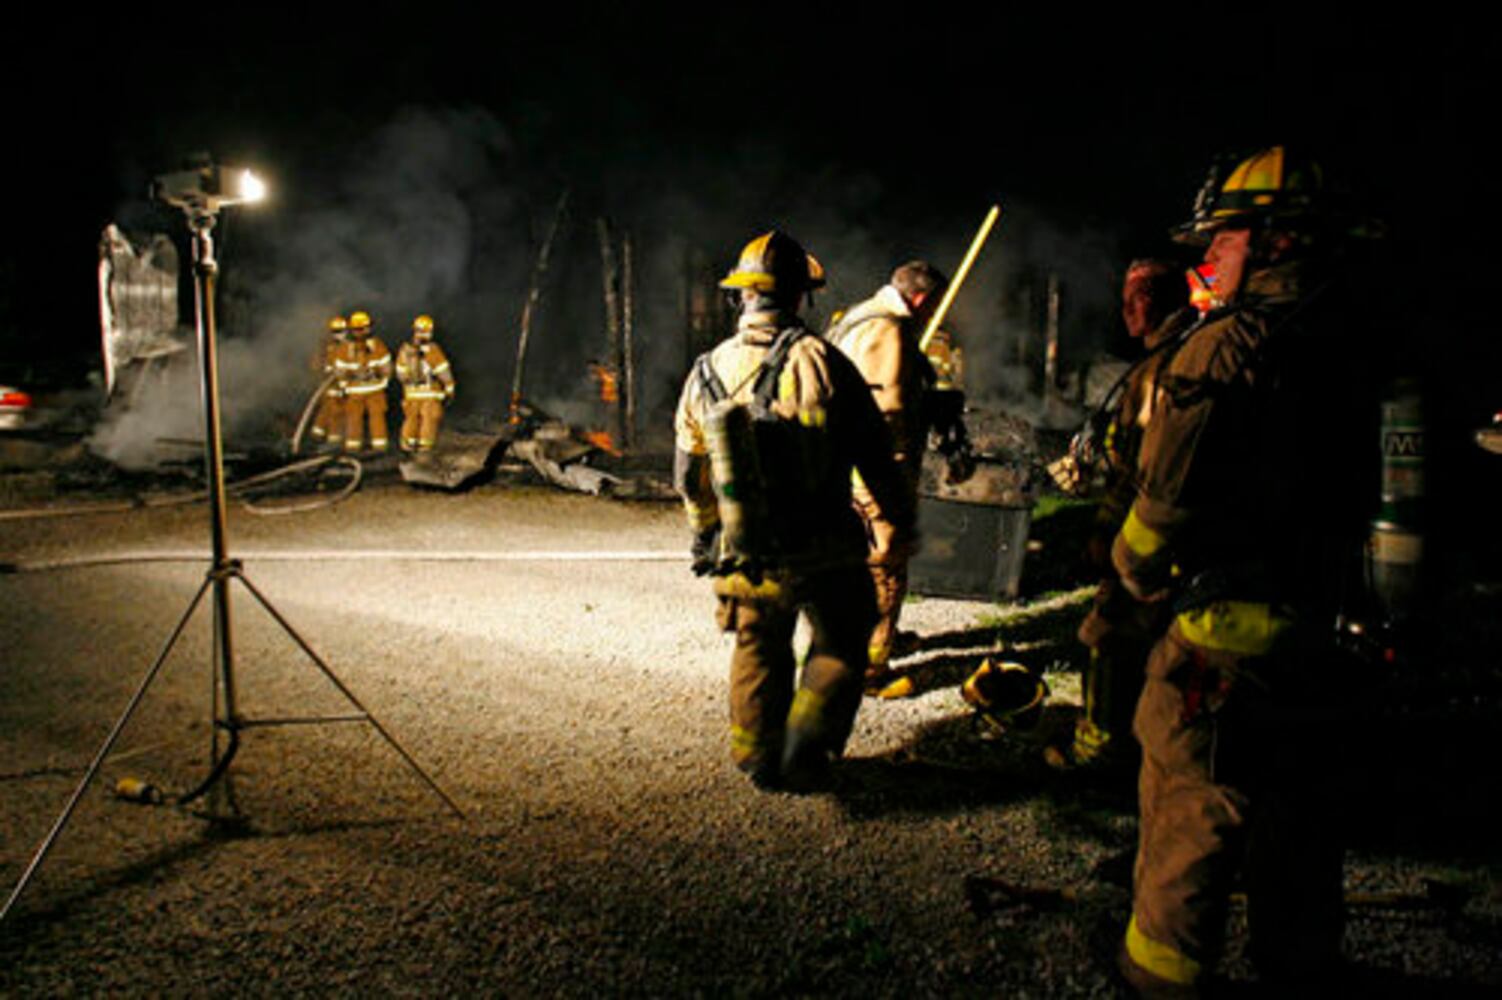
1247 524
880 335
1119 629
769 426
428 385
364 367
328 424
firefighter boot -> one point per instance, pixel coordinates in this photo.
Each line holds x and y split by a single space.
1092 747
1149 986
1101 739
807 754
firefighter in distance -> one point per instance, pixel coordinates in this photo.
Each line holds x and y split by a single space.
363 363
428 385
328 423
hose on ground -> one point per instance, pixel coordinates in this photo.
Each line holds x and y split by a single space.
355 469
345 555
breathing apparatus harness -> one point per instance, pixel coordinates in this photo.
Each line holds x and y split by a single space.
747 541
1087 455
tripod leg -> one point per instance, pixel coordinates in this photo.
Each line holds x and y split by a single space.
104 750
329 673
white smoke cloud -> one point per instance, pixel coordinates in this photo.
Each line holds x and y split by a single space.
393 230
434 214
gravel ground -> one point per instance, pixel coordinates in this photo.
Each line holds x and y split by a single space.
576 709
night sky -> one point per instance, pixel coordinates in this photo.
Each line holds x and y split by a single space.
1100 130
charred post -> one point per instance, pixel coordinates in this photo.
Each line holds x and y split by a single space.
1051 339
610 276
628 339
529 309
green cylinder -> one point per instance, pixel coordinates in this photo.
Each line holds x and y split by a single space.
1402 439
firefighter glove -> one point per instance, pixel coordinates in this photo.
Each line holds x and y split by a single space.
706 551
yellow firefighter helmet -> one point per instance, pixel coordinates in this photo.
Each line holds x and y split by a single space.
359 322
422 327
775 262
1271 186
337 325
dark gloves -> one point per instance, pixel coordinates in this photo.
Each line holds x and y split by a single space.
705 551
943 408
945 412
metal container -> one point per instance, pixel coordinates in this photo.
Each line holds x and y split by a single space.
971 550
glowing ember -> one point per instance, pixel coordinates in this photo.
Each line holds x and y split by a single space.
602 440
609 383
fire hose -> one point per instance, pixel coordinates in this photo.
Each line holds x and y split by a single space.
308 408
355 470
346 555
179 499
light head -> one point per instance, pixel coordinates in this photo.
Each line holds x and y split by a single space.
204 187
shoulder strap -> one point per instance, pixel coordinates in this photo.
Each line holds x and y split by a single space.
764 390
713 388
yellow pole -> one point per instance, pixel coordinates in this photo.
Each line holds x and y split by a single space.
959 277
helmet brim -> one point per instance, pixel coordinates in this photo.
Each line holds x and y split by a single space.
748 279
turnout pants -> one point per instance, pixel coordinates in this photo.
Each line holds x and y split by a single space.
421 418
1119 632
772 718
328 424
362 409
1231 780
887 563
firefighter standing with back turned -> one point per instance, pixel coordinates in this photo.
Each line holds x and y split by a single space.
769 425
328 425
1119 630
364 366
880 335
1248 521
428 384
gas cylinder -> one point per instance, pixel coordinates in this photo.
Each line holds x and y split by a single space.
740 489
1395 548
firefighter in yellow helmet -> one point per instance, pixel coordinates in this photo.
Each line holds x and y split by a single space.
364 367
428 385
328 424
1246 525
769 425
880 336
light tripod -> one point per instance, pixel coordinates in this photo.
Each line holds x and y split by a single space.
198 193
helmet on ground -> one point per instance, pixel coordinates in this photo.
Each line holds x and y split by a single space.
359 322
422 327
337 325
1270 188
774 262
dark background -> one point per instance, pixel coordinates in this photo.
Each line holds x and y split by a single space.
706 128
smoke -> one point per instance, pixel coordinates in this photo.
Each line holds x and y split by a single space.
436 213
860 229
422 219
